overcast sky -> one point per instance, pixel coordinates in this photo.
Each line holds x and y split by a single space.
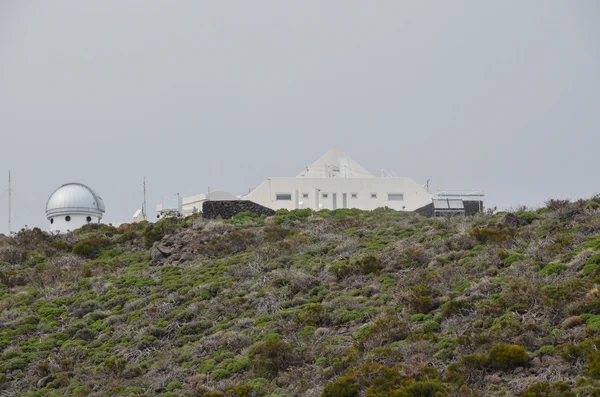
502 96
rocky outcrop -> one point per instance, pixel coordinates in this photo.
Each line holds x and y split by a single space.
228 209
512 220
187 245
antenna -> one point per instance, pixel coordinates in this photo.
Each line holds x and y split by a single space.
9 205
144 215
427 185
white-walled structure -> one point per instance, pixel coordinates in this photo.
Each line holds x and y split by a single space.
189 205
73 205
337 181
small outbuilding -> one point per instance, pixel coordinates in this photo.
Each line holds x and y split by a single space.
72 206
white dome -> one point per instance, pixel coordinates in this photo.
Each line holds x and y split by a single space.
74 198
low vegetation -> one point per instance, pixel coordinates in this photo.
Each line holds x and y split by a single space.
338 303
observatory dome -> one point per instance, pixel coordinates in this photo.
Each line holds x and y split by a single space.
73 205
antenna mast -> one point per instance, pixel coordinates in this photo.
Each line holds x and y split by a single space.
144 216
9 205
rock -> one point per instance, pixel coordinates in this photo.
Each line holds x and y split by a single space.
511 220
103 337
166 251
518 370
493 379
186 257
45 381
156 256
536 362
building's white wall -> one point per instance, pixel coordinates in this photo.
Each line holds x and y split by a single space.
415 196
59 223
195 202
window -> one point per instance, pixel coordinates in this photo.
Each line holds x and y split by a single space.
51 220
67 218
353 195
283 196
373 195
395 196
325 195
89 219
304 195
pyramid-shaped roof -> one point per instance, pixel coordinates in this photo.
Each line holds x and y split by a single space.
335 164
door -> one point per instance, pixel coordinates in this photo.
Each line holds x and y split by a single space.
344 200
334 198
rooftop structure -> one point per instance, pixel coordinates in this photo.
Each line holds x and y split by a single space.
337 181
73 205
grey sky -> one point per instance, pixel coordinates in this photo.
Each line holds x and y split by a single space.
502 95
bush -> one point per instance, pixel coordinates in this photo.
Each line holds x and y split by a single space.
430 326
156 231
345 386
506 357
174 385
383 331
591 264
545 389
552 269
593 365
545 350
489 235
272 356
91 247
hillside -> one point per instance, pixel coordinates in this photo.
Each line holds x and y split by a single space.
337 303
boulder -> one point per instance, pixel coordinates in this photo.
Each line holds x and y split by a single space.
45 381
156 256
511 220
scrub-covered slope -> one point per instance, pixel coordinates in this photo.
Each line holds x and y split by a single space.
336 303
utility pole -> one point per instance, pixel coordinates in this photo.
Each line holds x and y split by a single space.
144 214
9 205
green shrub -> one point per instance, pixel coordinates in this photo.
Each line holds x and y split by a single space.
272 356
545 350
156 231
416 317
430 326
593 365
545 389
506 357
174 385
592 321
591 264
241 391
91 247
552 269
489 235
219 374
345 386
382 332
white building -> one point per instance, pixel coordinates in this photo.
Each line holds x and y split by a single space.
337 181
175 205
73 205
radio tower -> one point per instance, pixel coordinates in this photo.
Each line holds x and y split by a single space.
144 214
9 205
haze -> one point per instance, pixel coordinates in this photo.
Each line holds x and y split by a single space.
503 96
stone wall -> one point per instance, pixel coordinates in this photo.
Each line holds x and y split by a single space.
228 209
